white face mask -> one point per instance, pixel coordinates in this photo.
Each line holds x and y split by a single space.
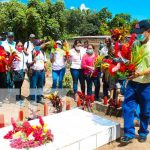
78 48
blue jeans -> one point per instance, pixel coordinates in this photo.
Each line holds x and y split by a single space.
77 74
57 76
96 82
36 85
136 93
137 113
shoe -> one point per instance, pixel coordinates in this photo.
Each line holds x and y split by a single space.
34 103
20 103
142 139
126 140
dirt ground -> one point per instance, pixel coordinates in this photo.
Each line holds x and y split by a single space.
135 145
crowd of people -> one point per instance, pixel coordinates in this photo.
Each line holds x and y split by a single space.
17 58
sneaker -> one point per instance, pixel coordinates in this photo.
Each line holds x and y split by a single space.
20 103
142 139
126 140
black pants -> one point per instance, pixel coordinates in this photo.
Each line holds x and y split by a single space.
3 90
18 85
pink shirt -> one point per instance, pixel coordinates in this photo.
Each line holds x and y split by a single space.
88 60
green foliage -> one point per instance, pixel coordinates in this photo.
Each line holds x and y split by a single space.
52 19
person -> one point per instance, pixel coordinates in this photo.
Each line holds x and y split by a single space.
86 43
76 54
38 67
101 45
138 90
9 44
17 62
57 59
91 74
106 51
28 46
3 66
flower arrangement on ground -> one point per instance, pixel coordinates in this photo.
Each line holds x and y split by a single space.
25 135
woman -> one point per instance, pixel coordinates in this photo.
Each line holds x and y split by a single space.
18 65
76 55
57 58
91 74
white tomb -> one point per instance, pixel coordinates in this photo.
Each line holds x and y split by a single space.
73 130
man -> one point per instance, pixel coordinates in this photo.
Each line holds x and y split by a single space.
138 90
37 62
9 44
28 46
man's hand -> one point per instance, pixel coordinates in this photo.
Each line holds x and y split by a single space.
133 76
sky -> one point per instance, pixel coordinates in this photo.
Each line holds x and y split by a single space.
138 9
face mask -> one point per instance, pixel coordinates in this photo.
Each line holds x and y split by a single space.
78 48
37 48
19 49
101 45
89 51
59 46
140 37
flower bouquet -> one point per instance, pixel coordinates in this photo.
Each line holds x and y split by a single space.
26 136
123 63
56 101
66 49
85 101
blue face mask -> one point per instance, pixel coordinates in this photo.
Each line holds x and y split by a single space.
59 46
140 37
0 42
37 48
89 51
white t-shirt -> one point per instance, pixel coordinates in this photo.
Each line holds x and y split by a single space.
21 63
76 58
40 60
9 47
29 46
59 60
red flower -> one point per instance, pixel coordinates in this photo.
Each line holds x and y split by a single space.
9 135
41 121
131 67
55 46
110 69
109 61
13 123
122 68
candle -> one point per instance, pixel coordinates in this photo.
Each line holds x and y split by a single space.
78 102
2 121
45 109
21 115
68 105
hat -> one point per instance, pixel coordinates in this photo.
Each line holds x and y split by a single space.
37 42
10 34
32 36
59 42
141 26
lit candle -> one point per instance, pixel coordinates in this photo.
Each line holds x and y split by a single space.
21 115
45 109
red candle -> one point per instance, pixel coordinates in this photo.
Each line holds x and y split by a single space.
68 105
78 102
45 109
2 121
105 100
21 115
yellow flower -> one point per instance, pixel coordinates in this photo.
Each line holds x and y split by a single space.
17 135
45 130
34 127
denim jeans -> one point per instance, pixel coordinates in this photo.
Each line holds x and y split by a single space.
36 85
96 82
77 74
136 93
57 76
